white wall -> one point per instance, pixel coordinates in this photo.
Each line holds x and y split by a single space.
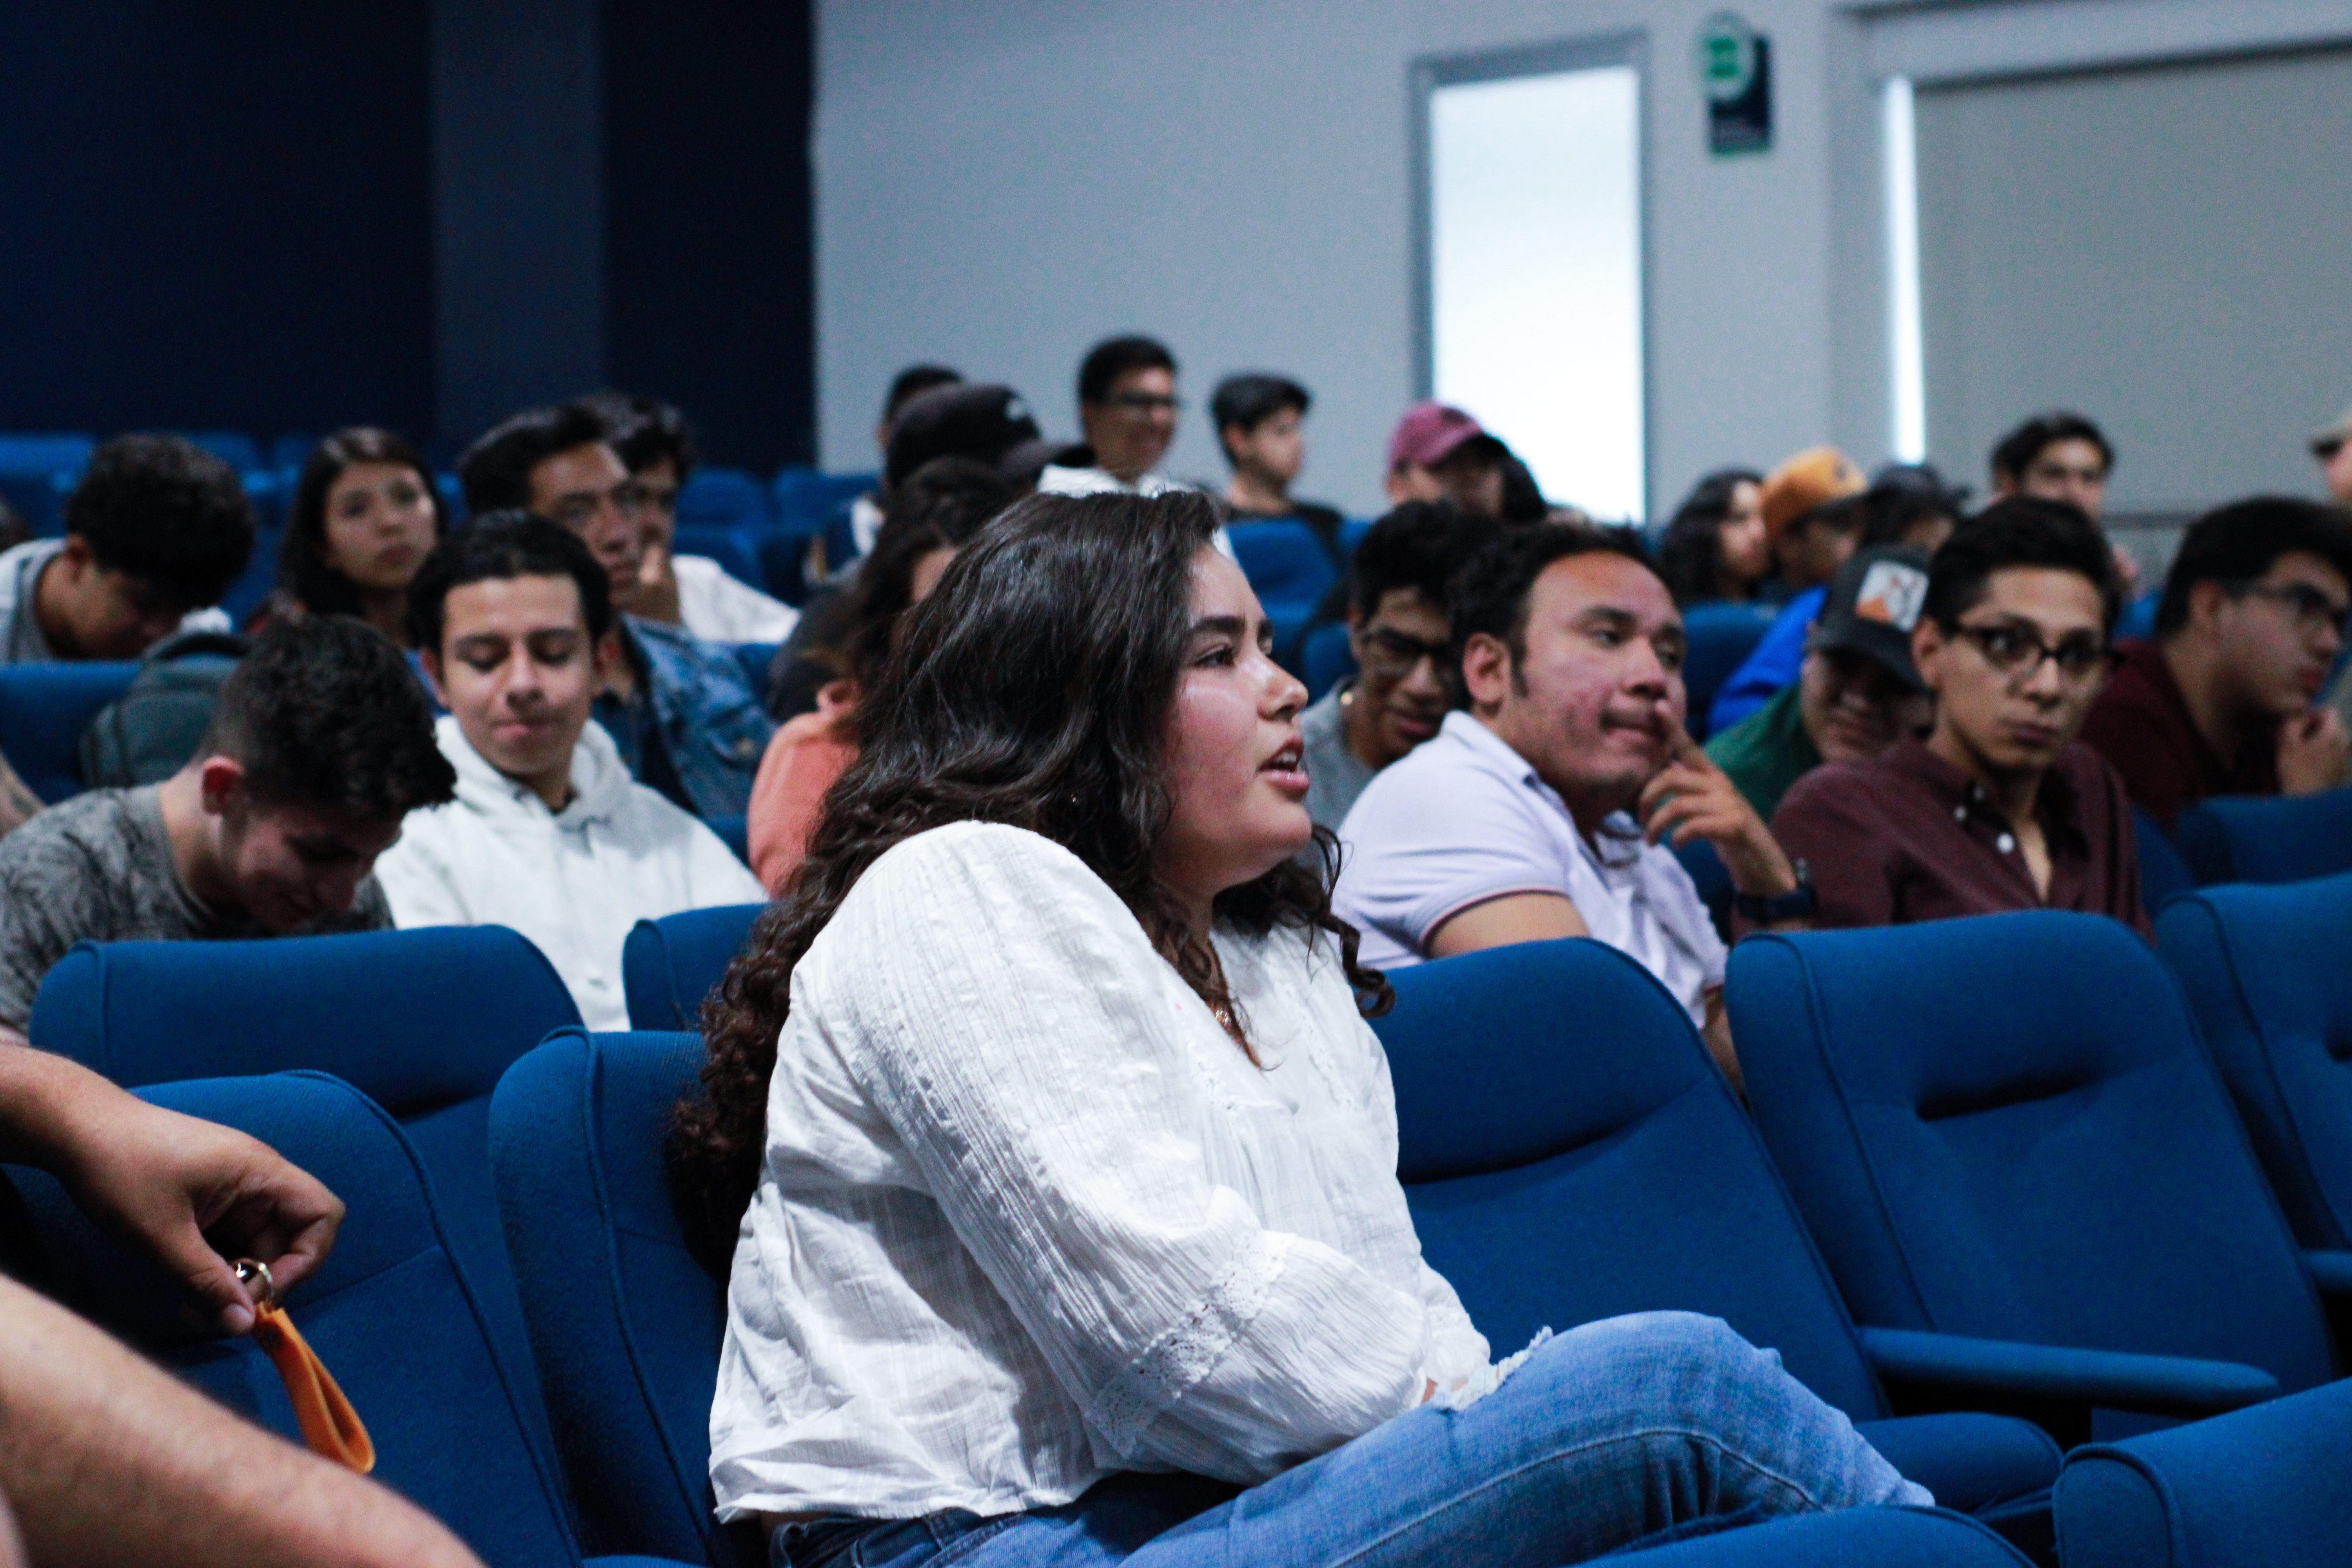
1001 181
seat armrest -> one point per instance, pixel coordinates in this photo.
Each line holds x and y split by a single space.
2331 1271
2154 1385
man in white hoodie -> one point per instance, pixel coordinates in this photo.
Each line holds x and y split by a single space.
513 620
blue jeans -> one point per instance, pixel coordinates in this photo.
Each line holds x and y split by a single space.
1635 1430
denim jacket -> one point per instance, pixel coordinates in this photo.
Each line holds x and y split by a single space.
709 720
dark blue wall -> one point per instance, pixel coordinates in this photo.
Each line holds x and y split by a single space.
215 215
283 216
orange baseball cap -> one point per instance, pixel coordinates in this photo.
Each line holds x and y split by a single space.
1806 481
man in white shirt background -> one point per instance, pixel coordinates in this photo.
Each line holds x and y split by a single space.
1543 808
549 834
1127 409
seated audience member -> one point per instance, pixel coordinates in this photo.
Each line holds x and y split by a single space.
680 709
2220 700
154 534
834 554
1715 548
1998 808
656 445
934 513
1857 691
1042 1114
2330 447
1437 453
363 517
1399 631
1910 504
1126 408
2056 457
320 744
548 833
1811 518
1258 420
1544 806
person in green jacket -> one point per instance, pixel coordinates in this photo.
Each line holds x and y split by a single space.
1858 691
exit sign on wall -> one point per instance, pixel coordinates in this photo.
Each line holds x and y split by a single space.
1735 67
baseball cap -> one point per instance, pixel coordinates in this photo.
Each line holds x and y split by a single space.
2324 442
962 420
1816 475
1923 480
1432 432
1871 607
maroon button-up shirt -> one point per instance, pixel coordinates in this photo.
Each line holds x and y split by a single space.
1908 837
2141 724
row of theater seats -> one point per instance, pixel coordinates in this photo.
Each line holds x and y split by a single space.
1993 1166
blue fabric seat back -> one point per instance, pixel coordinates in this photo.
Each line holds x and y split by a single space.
755 658
2164 874
807 497
2267 838
37 496
669 965
724 497
235 448
61 452
44 709
1328 656
1722 635
392 1313
1288 568
2006 1127
735 548
1571 1153
625 1323
783 557
2265 970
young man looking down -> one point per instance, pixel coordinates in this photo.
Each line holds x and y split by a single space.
320 745
1998 808
548 833
2220 700
1544 806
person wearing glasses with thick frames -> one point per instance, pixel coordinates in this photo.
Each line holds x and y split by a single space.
1126 407
1997 807
2222 699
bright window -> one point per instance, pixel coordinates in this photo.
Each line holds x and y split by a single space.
1535 272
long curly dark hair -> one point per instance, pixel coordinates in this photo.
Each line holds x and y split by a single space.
1033 688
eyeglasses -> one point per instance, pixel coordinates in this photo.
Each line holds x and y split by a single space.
2309 606
1144 402
573 511
2018 651
1391 656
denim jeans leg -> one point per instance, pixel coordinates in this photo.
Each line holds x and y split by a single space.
1655 1425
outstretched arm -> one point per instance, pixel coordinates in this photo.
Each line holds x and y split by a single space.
106 1461
190 1192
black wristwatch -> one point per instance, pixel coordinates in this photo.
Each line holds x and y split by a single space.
1799 902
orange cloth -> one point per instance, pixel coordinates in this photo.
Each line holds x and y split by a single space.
329 1426
801 762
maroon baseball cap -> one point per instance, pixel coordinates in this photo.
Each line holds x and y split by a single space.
1430 433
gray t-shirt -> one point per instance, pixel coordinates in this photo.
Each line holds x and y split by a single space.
1335 775
98 867
21 641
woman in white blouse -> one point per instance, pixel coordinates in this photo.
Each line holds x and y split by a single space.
1064 1163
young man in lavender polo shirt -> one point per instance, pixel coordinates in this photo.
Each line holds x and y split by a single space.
1543 808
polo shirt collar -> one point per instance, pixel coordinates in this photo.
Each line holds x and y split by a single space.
1618 845
2055 803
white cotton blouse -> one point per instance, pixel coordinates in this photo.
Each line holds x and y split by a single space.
1028 1217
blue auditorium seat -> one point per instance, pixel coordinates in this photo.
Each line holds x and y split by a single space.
1571 1153
625 1323
669 965
392 1312
1351 534
755 658
46 452
724 497
806 497
1722 635
1289 569
422 1022
235 448
2265 971
37 472
288 453
1330 658
259 576
2164 874
2006 1128
736 549
734 830
2252 1489
627 1326
783 553
2267 838
44 709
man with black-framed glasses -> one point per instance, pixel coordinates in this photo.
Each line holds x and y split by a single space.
1126 407
2223 699
1398 630
1997 807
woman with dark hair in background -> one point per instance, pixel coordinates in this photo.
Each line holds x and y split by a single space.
364 516
1059 1165
1716 547
934 513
